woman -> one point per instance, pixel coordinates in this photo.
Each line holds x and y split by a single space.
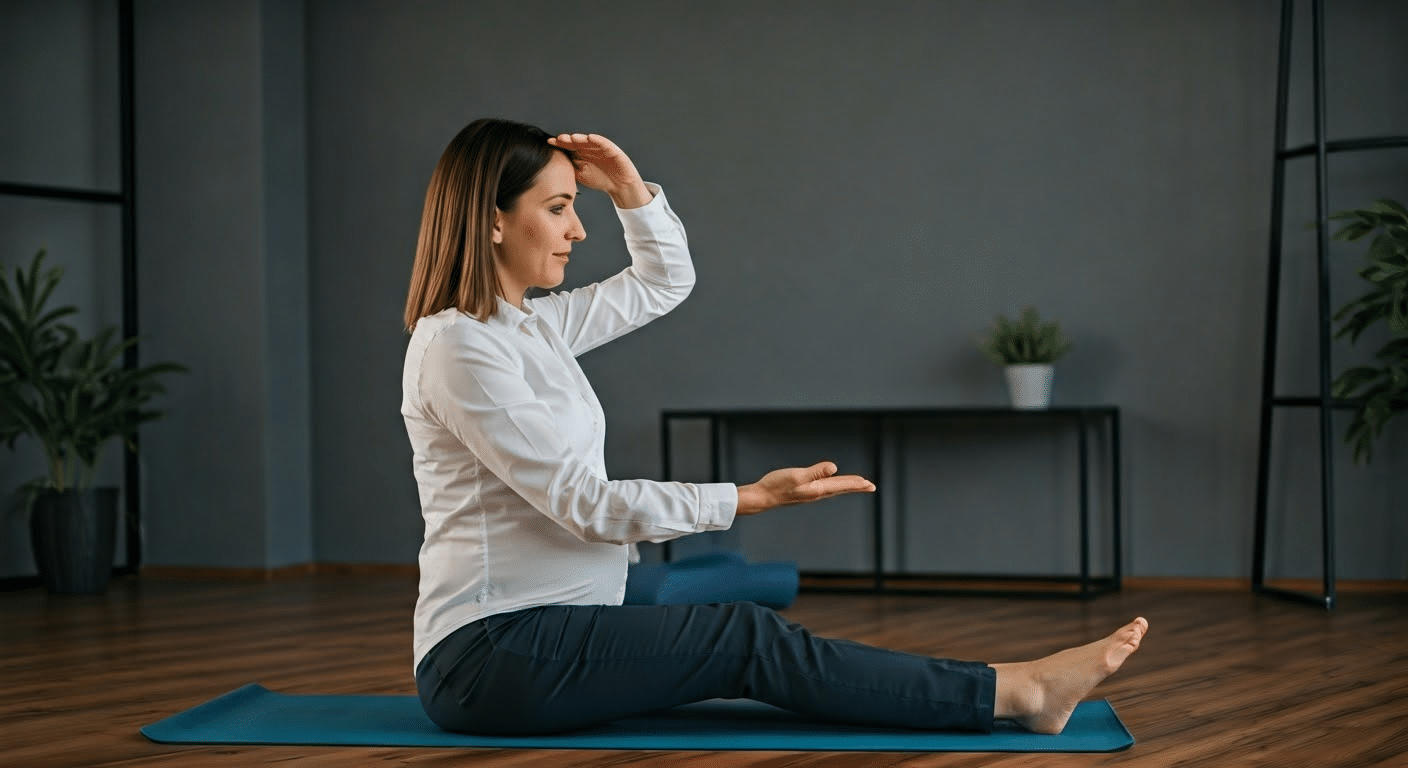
519 626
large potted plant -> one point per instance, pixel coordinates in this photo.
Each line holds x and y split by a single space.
1027 349
1379 391
73 397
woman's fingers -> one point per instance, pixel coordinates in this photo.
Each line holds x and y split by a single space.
835 486
585 143
819 481
591 148
798 485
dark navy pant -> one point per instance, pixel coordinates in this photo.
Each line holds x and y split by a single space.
563 667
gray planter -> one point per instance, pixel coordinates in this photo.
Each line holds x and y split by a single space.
73 534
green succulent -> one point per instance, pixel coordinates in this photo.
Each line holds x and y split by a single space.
72 395
1026 341
1380 391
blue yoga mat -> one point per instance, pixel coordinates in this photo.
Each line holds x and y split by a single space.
256 715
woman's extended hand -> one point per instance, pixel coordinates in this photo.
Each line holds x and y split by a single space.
601 165
782 487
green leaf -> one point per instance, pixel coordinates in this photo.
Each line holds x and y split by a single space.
1363 320
1377 410
1396 350
1381 248
1354 231
1398 312
1351 381
1390 208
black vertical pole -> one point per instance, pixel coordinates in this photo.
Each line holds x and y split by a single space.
131 466
1273 293
1322 252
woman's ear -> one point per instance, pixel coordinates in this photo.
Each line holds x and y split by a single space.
498 233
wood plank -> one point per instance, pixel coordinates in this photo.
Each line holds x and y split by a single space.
1224 678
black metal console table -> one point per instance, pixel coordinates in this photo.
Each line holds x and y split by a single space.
880 421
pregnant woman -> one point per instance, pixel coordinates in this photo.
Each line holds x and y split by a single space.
519 626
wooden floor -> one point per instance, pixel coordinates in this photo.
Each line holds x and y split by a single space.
1223 679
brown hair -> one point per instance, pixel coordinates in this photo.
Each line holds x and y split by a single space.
488 165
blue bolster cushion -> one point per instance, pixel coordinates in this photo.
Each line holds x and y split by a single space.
717 577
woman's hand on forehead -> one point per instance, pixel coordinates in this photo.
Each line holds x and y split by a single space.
603 166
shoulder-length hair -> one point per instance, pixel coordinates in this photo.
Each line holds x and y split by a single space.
487 166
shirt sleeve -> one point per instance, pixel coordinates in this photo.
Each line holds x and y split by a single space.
478 392
661 275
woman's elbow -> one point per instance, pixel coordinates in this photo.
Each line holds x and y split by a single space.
682 291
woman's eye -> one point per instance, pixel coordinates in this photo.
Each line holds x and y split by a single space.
557 209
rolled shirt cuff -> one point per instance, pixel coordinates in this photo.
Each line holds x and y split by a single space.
718 504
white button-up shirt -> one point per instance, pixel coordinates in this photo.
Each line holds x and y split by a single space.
509 443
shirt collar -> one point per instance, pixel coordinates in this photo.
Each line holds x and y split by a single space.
510 316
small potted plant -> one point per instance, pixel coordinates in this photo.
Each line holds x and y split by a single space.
1027 348
73 397
1379 391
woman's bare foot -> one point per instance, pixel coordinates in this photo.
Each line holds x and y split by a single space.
1041 695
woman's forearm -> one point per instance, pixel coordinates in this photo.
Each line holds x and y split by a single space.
632 196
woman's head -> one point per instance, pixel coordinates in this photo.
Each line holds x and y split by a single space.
472 199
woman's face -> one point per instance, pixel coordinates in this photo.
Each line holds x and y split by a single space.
534 239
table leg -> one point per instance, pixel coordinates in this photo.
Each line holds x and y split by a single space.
877 501
1115 492
665 463
899 500
1084 507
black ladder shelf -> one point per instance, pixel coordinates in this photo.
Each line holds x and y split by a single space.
1320 149
126 200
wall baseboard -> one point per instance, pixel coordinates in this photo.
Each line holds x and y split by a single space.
411 570
1308 586
301 570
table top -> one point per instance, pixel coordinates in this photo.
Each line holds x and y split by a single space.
888 411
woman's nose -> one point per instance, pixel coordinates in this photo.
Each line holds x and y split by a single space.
577 233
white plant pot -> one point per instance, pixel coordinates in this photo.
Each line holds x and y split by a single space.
1029 385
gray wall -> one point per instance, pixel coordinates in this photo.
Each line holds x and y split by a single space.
224 281
865 186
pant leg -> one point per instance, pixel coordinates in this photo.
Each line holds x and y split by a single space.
560 668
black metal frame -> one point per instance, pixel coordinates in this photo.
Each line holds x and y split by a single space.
1320 149
881 421
126 199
